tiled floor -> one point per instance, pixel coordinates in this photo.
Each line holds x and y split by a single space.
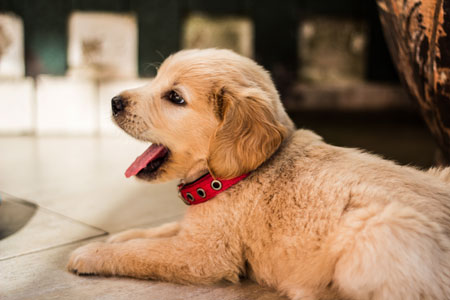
81 195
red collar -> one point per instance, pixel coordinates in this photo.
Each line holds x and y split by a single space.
205 188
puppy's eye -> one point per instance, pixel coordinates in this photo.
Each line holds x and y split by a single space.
175 98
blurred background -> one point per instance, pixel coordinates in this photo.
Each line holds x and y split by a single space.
62 61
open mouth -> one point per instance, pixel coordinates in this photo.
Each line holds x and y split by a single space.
148 162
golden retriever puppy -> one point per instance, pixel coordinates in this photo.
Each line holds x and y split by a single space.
311 220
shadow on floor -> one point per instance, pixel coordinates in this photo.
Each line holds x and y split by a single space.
14 214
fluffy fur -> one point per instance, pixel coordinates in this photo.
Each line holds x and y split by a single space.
312 220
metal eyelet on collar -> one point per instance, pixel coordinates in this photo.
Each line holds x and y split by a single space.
190 197
201 192
182 198
216 185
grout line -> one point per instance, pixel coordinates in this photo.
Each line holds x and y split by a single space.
19 199
34 109
72 219
54 247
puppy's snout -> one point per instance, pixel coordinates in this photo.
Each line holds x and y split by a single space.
118 105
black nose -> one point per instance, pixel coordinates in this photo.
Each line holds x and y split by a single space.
117 104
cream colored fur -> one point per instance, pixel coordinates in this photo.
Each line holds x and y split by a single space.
312 220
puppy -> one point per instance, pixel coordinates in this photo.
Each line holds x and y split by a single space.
309 219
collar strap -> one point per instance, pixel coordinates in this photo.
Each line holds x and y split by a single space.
205 188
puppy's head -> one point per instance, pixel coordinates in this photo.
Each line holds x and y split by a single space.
206 110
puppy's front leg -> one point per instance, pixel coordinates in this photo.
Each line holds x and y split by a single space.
174 259
165 230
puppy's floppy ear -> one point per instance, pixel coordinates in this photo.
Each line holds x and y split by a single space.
249 133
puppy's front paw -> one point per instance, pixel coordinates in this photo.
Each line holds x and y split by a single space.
90 259
126 236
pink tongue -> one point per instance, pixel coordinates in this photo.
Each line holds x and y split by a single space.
153 152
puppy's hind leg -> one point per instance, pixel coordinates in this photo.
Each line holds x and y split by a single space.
393 253
165 230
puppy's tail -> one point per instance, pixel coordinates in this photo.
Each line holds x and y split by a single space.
442 173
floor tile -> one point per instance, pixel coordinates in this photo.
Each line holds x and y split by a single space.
43 276
44 230
18 118
66 105
83 178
